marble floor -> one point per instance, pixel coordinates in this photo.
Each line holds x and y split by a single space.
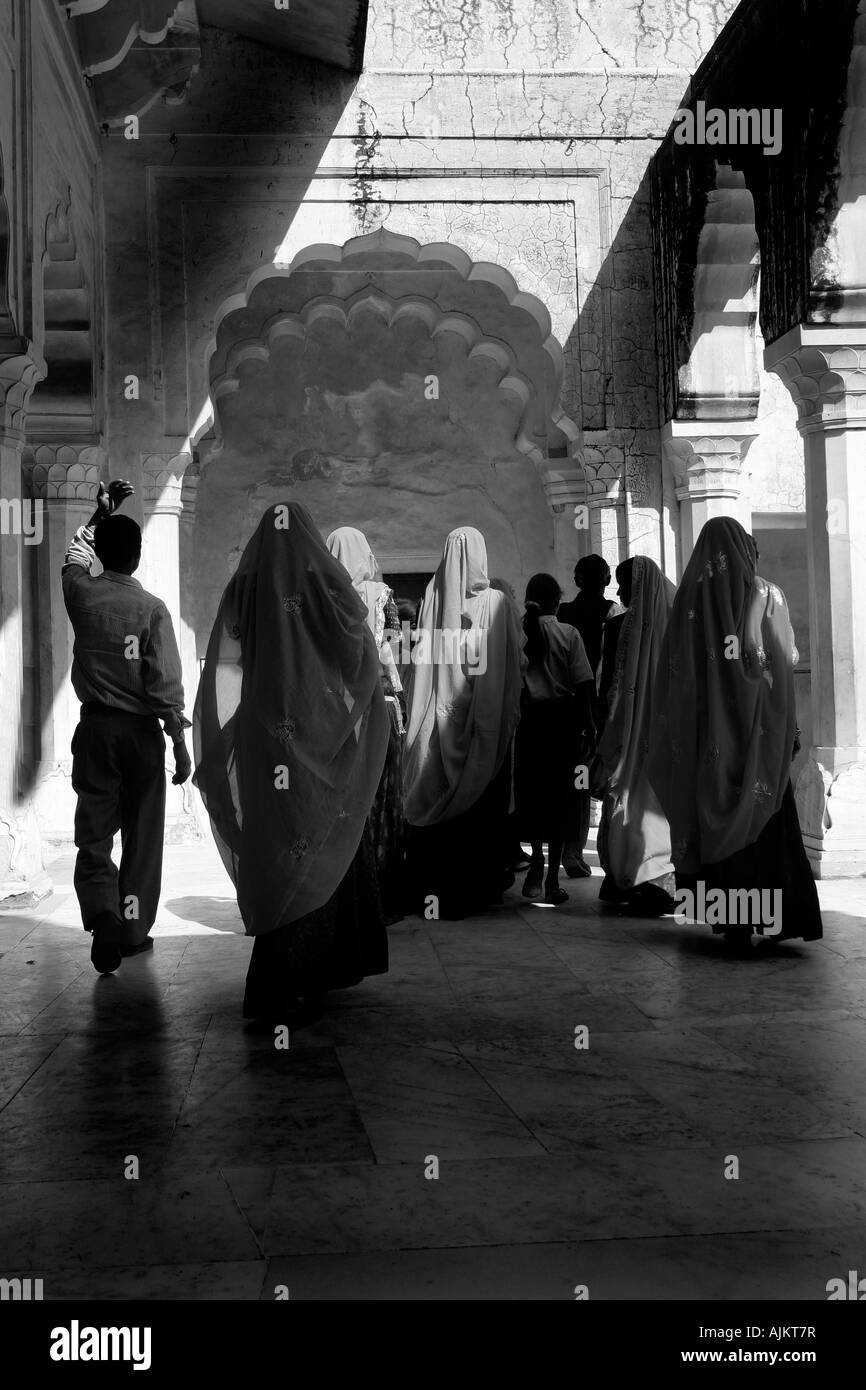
311 1170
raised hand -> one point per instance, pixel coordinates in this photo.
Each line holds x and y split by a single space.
118 491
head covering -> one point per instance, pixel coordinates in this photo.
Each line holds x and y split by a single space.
638 846
290 694
352 549
724 701
464 685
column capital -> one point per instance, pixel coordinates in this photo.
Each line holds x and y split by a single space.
604 468
65 472
564 487
189 493
18 376
824 368
162 482
706 456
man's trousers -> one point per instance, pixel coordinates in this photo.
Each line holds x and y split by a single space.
118 772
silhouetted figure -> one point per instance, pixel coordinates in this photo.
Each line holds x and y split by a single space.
464 704
588 612
725 733
634 842
291 733
126 672
555 733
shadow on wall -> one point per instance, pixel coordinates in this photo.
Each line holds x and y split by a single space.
613 347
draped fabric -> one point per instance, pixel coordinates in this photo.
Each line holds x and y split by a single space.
724 701
290 725
353 551
464 685
636 842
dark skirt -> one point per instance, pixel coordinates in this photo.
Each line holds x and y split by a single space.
332 948
465 862
777 860
545 756
386 823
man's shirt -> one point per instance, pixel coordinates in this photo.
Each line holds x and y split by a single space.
125 653
589 613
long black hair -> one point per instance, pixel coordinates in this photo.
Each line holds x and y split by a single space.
543 595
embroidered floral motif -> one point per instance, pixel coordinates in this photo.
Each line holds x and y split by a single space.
299 848
761 792
234 631
711 653
712 754
691 613
292 602
285 730
709 569
722 561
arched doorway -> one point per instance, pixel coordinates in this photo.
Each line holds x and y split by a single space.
392 386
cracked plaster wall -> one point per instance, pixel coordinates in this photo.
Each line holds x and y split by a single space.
520 132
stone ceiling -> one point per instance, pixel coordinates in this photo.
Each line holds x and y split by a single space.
134 52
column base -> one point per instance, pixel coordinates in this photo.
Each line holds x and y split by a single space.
23 878
831 818
54 803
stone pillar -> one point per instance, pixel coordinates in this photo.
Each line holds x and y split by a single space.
605 496
187 638
162 484
163 478
706 459
63 479
824 367
565 491
22 865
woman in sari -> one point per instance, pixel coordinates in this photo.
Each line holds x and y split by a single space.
556 732
464 704
291 733
725 736
352 549
634 842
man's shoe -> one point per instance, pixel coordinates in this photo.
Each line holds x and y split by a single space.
145 945
105 956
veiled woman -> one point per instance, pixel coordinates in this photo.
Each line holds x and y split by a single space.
352 549
634 841
291 732
464 704
726 733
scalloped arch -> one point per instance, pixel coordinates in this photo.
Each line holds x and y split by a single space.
295 326
391 243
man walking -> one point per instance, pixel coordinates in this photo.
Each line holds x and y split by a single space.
126 672
588 612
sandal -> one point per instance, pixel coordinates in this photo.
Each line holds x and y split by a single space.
555 896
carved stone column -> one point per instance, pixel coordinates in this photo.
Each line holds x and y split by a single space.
22 868
187 638
163 484
824 368
565 491
63 479
604 467
706 459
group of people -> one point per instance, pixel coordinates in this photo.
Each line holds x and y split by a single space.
349 781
